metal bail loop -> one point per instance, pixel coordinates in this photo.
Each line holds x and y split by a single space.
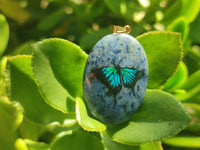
118 29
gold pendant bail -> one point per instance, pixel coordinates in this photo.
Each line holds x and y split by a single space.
118 29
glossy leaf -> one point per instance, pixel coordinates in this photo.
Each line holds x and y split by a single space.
31 130
160 116
194 110
19 74
4 34
180 25
109 144
76 141
178 79
184 141
10 119
114 5
151 146
32 145
85 121
58 67
50 21
164 52
192 81
20 144
12 9
182 8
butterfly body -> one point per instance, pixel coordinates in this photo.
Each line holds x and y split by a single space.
115 78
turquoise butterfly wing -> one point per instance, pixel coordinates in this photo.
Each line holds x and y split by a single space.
112 76
115 76
128 76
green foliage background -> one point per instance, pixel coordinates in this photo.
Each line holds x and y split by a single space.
41 104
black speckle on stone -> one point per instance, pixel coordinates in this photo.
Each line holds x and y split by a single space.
127 48
120 97
139 48
132 105
138 88
108 93
124 107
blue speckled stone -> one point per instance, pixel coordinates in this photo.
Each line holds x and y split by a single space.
125 51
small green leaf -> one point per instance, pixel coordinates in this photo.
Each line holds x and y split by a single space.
20 144
10 119
194 110
4 34
160 116
85 121
182 8
19 74
195 30
58 67
51 20
109 144
31 130
32 145
114 5
12 9
151 146
192 81
76 141
184 141
164 52
178 79
180 25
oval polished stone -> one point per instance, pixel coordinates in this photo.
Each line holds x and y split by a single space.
115 78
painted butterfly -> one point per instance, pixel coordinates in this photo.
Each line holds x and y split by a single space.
115 77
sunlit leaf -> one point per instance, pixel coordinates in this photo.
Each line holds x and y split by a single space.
160 116
164 52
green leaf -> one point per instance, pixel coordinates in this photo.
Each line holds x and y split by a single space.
180 25
109 144
192 81
12 9
160 116
85 121
76 141
20 144
32 145
31 130
90 39
10 119
4 34
184 141
164 52
58 67
3 62
194 110
178 79
182 8
190 9
195 30
114 5
51 20
22 88
151 146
